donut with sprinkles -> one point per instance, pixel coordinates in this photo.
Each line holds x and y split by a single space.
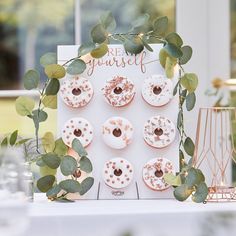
159 132
119 91
117 132
154 171
118 173
157 90
76 92
78 128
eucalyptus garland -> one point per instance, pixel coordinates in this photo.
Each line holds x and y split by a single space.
174 54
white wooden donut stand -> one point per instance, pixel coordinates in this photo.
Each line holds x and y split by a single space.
137 112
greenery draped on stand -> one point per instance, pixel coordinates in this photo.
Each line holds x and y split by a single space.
143 32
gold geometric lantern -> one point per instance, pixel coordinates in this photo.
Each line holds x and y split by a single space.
215 151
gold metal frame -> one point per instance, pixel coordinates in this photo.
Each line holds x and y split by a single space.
215 151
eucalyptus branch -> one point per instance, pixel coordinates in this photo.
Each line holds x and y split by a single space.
181 114
139 35
38 111
70 60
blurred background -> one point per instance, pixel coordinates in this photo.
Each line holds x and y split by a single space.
23 41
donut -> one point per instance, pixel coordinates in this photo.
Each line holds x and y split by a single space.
76 92
154 171
117 132
77 128
157 90
159 131
119 91
118 173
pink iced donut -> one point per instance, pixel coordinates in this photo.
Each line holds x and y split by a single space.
76 92
118 173
154 171
77 128
117 132
157 90
159 131
119 91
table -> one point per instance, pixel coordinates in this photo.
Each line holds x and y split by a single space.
138 217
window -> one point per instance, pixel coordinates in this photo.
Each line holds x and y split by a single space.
28 29
124 11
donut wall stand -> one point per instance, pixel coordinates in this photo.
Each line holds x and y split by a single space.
122 110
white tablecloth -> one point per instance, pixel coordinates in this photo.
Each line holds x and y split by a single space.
138 217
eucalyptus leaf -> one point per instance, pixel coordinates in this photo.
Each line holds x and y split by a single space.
182 192
45 183
64 199
40 115
85 164
141 20
179 119
190 101
181 159
70 186
99 34
176 89
52 87
189 81
172 179
100 51
190 162
52 193
169 67
40 162
189 146
68 165
162 57
86 48
78 147
133 45
48 59
184 93
160 25
24 105
55 71
194 177
175 39
51 160
173 50
31 79
146 45
4 142
108 21
76 67
50 101
183 96
13 138
45 170
60 147
201 193
48 142
187 54
85 185
22 141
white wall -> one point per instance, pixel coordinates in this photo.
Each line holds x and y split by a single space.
205 25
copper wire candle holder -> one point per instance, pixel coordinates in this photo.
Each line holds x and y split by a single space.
215 151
